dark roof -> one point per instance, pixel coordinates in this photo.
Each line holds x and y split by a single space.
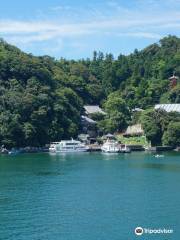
87 119
90 109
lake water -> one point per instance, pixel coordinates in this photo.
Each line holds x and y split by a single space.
89 196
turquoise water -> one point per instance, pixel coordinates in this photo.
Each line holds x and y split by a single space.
88 196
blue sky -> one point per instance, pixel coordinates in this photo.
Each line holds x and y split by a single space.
75 28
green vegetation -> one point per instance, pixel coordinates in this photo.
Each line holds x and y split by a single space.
161 127
41 99
117 114
139 140
172 135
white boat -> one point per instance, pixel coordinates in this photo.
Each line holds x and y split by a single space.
68 146
52 147
110 146
124 149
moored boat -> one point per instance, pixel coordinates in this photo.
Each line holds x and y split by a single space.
68 146
52 147
4 150
110 146
124 149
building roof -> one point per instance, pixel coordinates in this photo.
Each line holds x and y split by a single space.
134 130
90 109
168 107
174 77
89 120
137 110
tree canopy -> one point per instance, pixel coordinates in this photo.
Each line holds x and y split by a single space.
161 127
41 99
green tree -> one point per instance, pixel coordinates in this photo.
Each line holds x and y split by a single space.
117 114
171 137
150 120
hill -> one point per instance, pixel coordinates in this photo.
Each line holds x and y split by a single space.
41 99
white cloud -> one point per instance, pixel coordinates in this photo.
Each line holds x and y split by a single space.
112 4
60 8
40 31
132 22
141 35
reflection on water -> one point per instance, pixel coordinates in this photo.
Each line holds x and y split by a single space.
110 156
159 166
5 200
47 173
87 196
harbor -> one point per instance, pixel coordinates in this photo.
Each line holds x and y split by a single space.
109 144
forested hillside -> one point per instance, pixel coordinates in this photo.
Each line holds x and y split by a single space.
41 99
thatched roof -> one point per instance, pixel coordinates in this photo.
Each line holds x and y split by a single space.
134 130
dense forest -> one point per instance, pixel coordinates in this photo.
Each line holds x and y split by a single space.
41 98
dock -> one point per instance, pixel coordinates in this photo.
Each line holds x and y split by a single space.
94 148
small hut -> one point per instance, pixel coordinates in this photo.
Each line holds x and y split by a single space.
108 136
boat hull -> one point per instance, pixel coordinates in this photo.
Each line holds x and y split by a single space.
71 151
105 151
110 150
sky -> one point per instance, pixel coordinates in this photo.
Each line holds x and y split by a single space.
73 29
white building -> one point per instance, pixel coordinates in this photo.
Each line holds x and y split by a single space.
168 107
